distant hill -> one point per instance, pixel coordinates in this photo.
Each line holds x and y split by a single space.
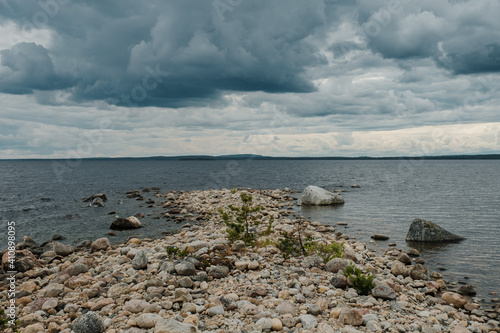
261 157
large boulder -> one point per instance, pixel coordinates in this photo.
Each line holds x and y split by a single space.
426 231
314 195
130 222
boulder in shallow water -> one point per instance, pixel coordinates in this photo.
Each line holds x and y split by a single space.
130 222
314 195
426 231
101 196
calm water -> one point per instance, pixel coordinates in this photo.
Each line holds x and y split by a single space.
461 196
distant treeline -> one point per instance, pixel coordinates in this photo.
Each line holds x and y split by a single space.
260 157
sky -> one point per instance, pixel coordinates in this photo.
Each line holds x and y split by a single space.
81 78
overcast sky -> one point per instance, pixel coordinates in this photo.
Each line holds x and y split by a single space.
81 78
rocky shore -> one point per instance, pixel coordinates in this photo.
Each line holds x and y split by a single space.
197 281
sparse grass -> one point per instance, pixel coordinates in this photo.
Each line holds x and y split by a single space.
265 242
269 229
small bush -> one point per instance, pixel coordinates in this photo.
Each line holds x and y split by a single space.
239 219
363 283
326 251
289 245
174 251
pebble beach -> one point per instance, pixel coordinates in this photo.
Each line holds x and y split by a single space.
222 286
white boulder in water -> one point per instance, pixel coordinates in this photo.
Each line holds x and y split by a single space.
314 195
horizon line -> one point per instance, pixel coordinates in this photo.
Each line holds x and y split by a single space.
255 156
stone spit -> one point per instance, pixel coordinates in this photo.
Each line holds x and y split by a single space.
141 286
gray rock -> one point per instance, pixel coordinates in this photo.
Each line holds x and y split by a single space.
467 290
383 291
75 269
312 261
90 322
373 326
426 231
228 303
53 290
314 195
58 237
419 272
140 260
130 222
59 248
182 293
26 243
215 310
118 289
404 258
173 326
218 271
98 202
314 309
335 265
379 237
167 266
100 244
239 245
185 282
101 196
148 320
308 322
339 281
398 268
185 268
264 323
286 308
369 317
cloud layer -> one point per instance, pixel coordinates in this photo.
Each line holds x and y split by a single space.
324 76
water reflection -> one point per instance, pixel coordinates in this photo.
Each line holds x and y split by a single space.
432 247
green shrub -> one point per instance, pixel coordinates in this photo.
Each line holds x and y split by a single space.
363 283
289 245
174 251
326 251
239 219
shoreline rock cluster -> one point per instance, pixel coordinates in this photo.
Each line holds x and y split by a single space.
218 286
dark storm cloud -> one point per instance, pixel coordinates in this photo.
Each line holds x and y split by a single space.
29 67
460 36
186 53
170 53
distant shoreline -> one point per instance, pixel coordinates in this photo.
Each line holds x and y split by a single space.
267 158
